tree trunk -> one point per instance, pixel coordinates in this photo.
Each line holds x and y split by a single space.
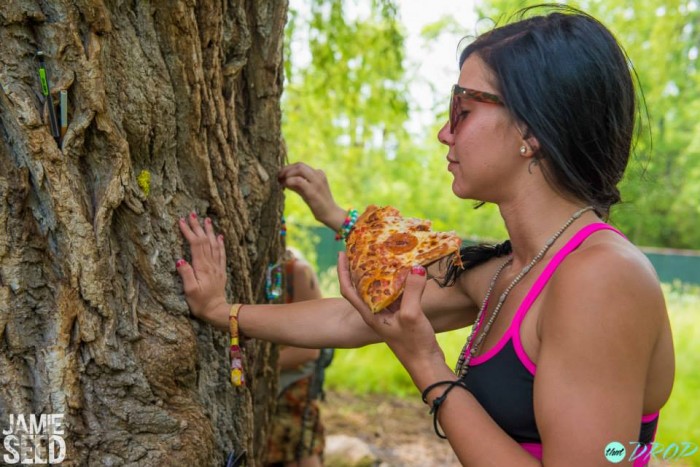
172 107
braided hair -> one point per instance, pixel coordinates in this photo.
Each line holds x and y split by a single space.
473 256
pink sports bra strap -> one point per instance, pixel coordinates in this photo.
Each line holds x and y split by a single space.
541 282
514 328
552 266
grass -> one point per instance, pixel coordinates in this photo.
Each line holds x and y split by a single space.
374 369
680 418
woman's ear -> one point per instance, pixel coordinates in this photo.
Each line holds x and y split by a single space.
530 146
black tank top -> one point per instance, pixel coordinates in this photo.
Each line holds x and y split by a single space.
502 379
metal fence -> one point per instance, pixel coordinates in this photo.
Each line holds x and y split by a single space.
671 265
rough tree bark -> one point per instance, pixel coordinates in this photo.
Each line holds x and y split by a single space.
173 107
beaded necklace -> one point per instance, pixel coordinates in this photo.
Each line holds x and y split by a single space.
273 272
470 347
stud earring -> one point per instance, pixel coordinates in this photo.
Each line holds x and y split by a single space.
523 150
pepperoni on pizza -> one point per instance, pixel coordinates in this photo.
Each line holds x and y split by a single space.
382 248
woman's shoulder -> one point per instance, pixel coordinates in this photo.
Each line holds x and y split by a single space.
608 255
304 279
297 262
608 274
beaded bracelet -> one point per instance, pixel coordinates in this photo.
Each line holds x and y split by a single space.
437 402
348 224
237 376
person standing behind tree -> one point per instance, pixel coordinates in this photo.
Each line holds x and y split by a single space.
297 434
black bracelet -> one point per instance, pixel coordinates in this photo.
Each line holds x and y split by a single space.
424 394
437 402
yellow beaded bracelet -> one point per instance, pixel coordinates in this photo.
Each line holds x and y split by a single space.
237 376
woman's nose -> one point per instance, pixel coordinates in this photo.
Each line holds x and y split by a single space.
444 135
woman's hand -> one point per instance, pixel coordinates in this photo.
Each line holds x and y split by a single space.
205 280
406 330
312 185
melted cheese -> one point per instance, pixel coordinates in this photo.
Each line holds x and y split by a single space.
384 246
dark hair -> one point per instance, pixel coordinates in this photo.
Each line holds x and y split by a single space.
473 256
564 76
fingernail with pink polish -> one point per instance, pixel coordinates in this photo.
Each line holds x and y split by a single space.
179 263
418 269
193 215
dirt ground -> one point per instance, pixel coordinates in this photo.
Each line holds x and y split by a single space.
399 431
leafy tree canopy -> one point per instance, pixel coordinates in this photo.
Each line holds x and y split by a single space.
346 107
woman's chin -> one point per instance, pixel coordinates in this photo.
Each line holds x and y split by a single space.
459 191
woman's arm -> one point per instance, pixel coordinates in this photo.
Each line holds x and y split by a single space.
304 286
475 437
596 345
328 322
331 322
312 185
604 312
313 323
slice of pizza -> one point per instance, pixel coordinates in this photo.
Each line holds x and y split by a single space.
382 248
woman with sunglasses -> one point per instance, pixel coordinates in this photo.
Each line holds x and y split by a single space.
571 355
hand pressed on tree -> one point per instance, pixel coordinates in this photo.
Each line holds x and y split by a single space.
312 185
204 281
